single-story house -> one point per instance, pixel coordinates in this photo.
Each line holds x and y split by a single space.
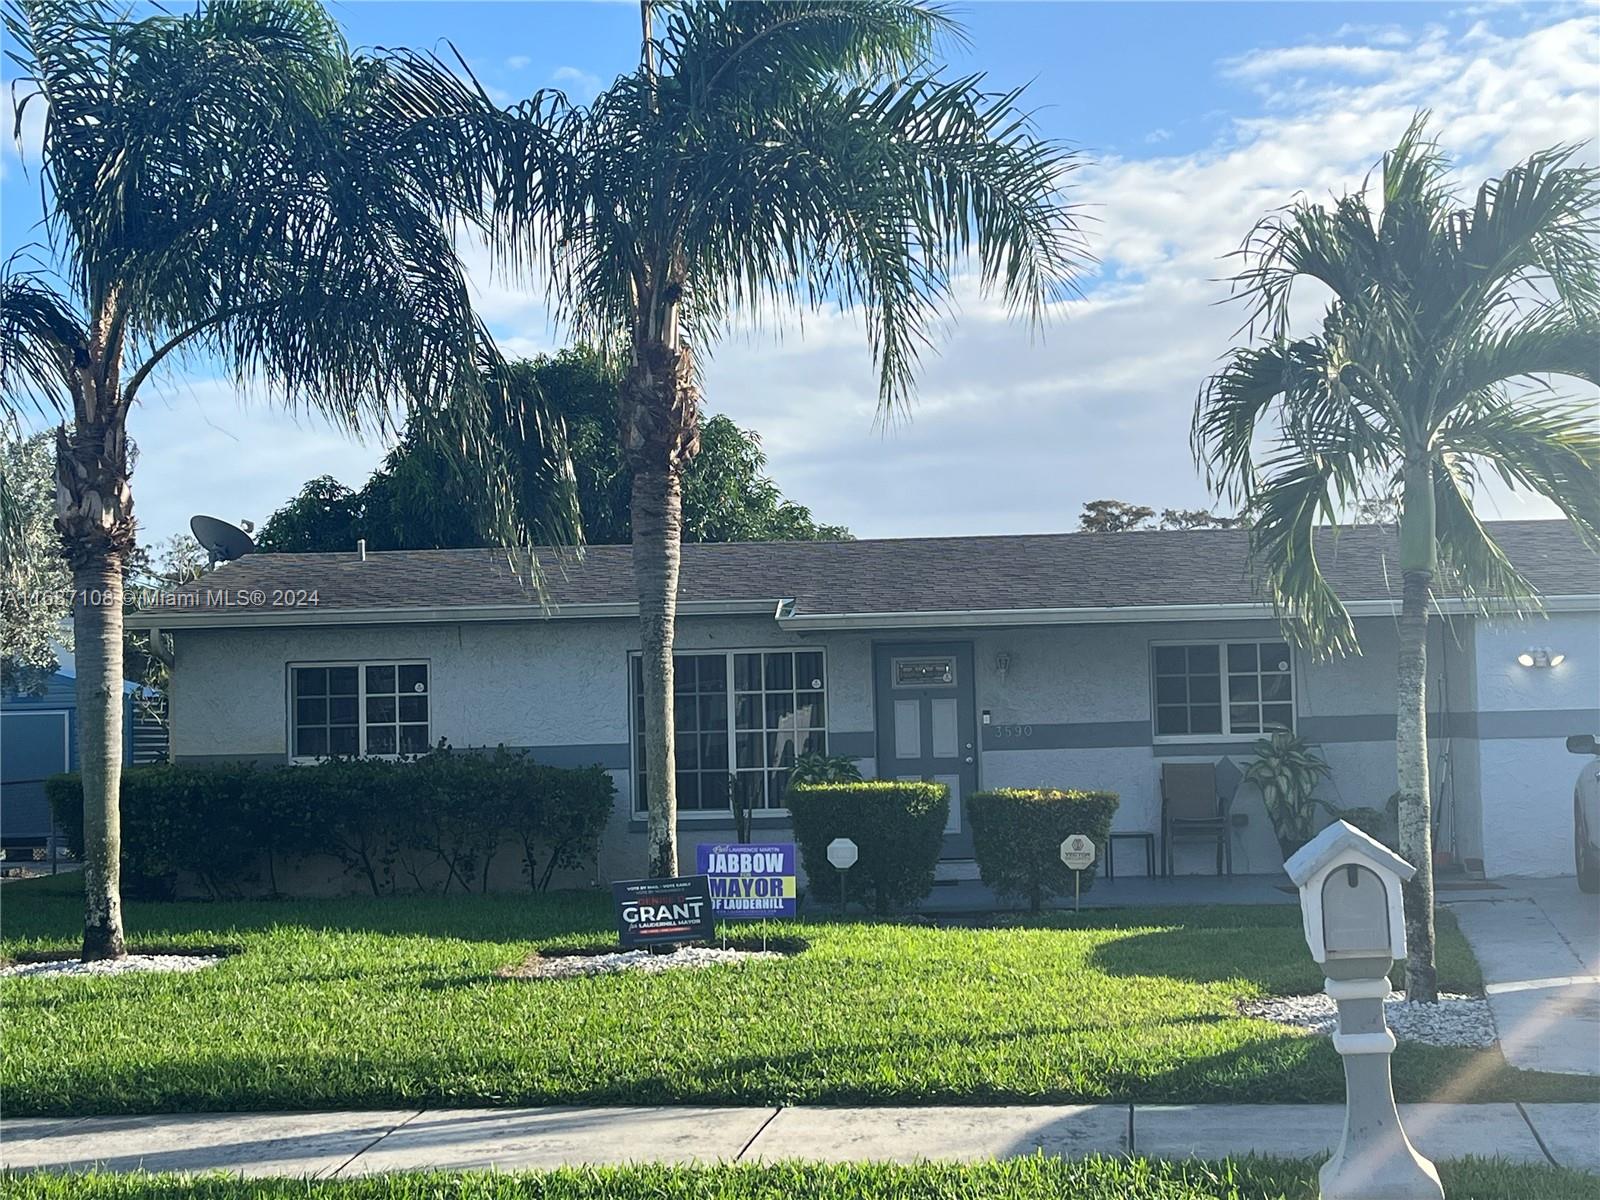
39 738
1073 660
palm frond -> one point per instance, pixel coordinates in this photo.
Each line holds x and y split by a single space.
1285 513
1536 224
1540 444
42 344
1476 567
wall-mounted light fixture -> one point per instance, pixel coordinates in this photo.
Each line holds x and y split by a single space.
1002 664
1540 657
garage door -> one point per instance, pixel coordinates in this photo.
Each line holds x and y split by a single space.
34 745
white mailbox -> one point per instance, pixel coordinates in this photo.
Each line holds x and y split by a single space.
1350 897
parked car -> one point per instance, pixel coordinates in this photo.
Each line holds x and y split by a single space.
1586 812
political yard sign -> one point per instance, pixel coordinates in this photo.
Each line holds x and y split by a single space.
652 912
749 881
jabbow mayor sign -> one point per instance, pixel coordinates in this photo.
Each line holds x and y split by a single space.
749 880
653 912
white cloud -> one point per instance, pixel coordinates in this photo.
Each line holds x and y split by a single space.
580 85
518 62
1358 60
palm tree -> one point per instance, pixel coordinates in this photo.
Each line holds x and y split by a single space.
1432 367
230 183
765 155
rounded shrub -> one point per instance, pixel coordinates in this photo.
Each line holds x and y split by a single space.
1017 835
897 826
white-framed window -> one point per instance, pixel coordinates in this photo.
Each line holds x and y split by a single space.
1222 689
347 709
741 718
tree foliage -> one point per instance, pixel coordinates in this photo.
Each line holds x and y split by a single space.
410 502
35 585
1118 516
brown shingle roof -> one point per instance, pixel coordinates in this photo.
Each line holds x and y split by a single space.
941 574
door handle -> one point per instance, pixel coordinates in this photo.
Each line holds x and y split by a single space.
969 758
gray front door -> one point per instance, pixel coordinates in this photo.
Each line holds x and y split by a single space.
925 724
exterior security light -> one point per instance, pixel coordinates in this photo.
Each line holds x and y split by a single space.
1526 658
1541 657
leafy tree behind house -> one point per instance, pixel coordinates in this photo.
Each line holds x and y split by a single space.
1414 387
1118 516
410 502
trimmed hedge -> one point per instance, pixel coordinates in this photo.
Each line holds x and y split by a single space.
898 828
396 824
1017 835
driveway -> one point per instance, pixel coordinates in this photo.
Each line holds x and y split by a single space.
1538 942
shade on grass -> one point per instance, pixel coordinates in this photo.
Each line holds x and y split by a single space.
1017 1179
372 1003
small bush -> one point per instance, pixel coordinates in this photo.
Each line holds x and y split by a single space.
1017 835
898 828
557 815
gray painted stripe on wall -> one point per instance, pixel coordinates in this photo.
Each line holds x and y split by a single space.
1532 723
1075 735
856 745
1368 727
215 760
613 756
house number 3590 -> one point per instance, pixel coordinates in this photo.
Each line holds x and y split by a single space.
1011 731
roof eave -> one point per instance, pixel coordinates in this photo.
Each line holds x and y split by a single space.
206 618
999 617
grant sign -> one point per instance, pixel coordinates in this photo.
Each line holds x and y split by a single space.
653 912
749 880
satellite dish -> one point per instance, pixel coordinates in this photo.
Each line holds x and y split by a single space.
222 541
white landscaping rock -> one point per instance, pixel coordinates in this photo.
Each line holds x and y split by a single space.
132 964
569 966
1457 1020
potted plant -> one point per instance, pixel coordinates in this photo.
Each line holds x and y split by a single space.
1287 770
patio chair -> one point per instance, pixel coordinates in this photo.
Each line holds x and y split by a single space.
1195 809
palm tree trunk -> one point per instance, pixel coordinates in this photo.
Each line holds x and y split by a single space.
1417 558
97 633
94 514
657 526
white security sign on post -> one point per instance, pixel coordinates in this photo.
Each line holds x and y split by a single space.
842 853
1078 853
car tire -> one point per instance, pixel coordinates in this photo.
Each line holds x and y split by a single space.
1585 858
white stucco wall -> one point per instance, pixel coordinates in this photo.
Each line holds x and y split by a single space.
1083 692
1524 717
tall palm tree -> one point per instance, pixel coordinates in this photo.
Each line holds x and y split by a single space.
766 155
229 183
1433 366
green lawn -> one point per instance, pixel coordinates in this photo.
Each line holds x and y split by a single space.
1018 1179
370 1003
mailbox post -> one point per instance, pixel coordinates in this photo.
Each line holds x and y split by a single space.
1354 919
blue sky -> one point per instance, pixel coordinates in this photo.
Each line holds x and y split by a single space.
1195 118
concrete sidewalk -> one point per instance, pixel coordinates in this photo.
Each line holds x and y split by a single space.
1538 944
349 1144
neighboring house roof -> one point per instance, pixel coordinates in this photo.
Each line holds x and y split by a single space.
1021 578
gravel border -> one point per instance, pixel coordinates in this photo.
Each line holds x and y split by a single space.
1457 1020
133 964
572 966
